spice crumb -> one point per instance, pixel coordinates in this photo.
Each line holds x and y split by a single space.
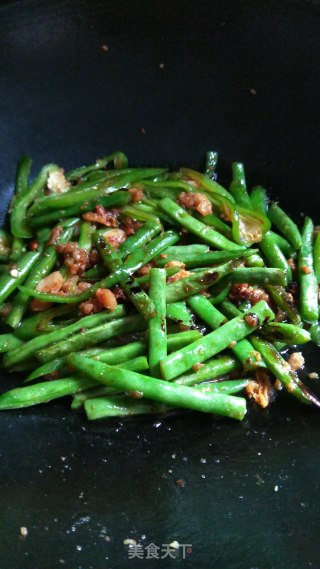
276 488
104 47
14 273
253 91
130 542
142 130
313 375
180 482
161 66
23 531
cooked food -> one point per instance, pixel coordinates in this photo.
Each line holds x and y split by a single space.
140 290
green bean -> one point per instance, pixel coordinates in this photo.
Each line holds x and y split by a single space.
5 245
17 249
139 298
284 300
40 342
211 186
22 176
118 354
110 256
285 225
137 364
92 337
119 160
134 261
112 356
214 318
157 324
85 237
120 406
238 187
20 189
206 233
287 333
283 244
216 223
181 339
95 274
316 257
19 206
229 309
281 369
175 251
165 189
259 199
211 164
196 282
274 255
216 341
254 261
139 215
42 392
258 276
179 312
140 238
315 333
309 306
218 296
160 390
9 282
228 387
118 199
206 311
41 323
9 342
192 260
78 196
144 280
39 270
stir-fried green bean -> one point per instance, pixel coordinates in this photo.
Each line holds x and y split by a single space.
141 291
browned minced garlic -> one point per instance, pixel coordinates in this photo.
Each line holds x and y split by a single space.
51 283
197 201
106 297
137 194
174 263
260 388
75 258
115 237
291 264
108 217
179 275
278 385
306 270
57 182
296 361
243 291
251 319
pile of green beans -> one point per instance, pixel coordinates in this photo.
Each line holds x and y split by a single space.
143 291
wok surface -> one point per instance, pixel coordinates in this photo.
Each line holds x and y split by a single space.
239 77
